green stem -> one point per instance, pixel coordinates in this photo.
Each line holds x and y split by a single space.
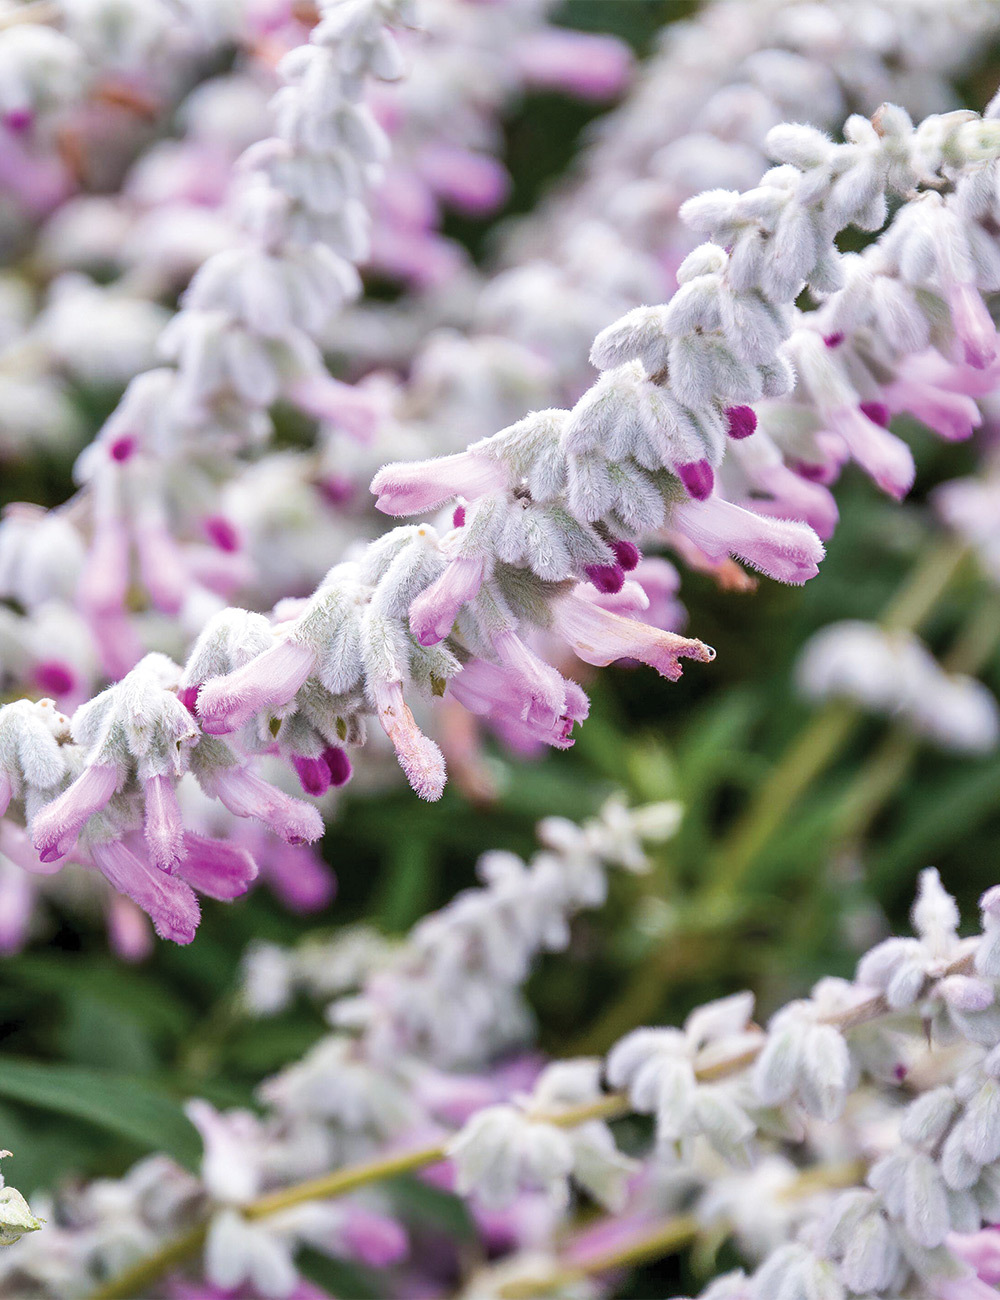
132 1282
666 1238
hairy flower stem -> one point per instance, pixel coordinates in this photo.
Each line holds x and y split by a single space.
664 1239
132 1282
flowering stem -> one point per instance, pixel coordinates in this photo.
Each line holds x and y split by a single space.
132 1282
665 1238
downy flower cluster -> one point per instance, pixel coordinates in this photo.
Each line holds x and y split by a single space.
549 509
897 1070
355 1093
892 673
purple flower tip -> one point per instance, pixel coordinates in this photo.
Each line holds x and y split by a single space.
458 518
188 696
833 340
627 554
336 489
697 477
339 765
51 854
18 120
314 774
742 421
607 578
877 412
221 533
54 677
122 448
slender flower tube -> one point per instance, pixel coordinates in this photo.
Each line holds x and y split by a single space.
973 325
418 756
166 899
599 637
885 457
433 613
216 867
246 794
56 827
412 487
163 826
784 550
227 703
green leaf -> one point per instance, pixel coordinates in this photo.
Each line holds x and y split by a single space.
118 1103
425 1206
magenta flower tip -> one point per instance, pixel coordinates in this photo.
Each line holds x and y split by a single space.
51 854
54 678
122 448
698 479
833 340
742 421
221 533
339 764
313 773
607 578
627 554
877 412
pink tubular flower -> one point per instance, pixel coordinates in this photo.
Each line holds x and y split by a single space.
433 613
488 691
880 453
587 65
55 828
129 933
783 549
475 183
350 408
418 756
412 487
796 497
227 703
166 899
952 415
163 829
539 687
161 564
979 1249
599 637
215 867
973 325
246 794
104 580
299 877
